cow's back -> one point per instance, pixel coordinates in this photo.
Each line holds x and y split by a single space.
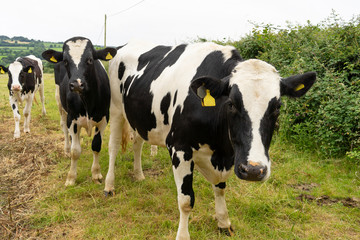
154 81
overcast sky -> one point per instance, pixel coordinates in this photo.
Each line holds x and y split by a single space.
159 21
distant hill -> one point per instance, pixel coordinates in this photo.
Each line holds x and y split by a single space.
11 48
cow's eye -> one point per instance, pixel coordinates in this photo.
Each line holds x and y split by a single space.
276 112
277 107
231 106
90 61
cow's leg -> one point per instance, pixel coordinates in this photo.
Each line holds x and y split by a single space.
115 140
183 173
27 112
96 147
14 106
63 118
75 153
221 210
153 150
42 97
137 147
65 129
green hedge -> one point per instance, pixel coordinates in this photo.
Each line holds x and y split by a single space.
327 118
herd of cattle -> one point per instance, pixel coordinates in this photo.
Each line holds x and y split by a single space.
211 109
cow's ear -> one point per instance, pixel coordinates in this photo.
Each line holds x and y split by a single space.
298 85
28 69
52 56
105 54
3 69
208 89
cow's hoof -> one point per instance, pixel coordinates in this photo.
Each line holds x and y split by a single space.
70 183
97 178
109 193
227 231
97 181
139 176
17 135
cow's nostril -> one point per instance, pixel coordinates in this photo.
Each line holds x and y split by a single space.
263 171
16 87
243 168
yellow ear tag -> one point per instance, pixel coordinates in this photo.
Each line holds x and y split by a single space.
53 59
108 56
208 100
2 70
299 87
30 70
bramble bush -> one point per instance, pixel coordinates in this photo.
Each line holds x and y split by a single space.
327 118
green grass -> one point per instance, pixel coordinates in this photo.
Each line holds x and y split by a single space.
148 209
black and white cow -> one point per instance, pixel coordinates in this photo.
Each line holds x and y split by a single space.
25 79
212 110
83 97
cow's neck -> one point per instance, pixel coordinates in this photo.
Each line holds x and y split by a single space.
223 137
91 97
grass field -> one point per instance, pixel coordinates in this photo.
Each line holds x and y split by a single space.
307 197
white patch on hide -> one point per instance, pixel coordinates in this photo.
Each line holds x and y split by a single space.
202 160
76 50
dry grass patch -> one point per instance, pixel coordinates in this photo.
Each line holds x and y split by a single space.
25 164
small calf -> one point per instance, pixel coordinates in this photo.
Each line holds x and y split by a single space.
25 78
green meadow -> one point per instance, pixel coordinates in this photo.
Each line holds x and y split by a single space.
313 192
307 196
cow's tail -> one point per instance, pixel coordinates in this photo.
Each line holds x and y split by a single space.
126 136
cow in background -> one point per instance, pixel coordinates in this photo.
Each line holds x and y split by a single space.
214 111
83 97
25 79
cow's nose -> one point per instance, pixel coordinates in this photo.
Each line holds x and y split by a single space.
252 171
16 88
76 86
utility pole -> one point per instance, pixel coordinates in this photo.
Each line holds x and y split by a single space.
105 33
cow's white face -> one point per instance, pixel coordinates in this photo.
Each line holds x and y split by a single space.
255 99
16 75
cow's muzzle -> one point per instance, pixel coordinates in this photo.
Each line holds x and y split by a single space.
16 88
76 86
252 171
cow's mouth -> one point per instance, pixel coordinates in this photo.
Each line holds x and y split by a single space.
251 171
76 86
